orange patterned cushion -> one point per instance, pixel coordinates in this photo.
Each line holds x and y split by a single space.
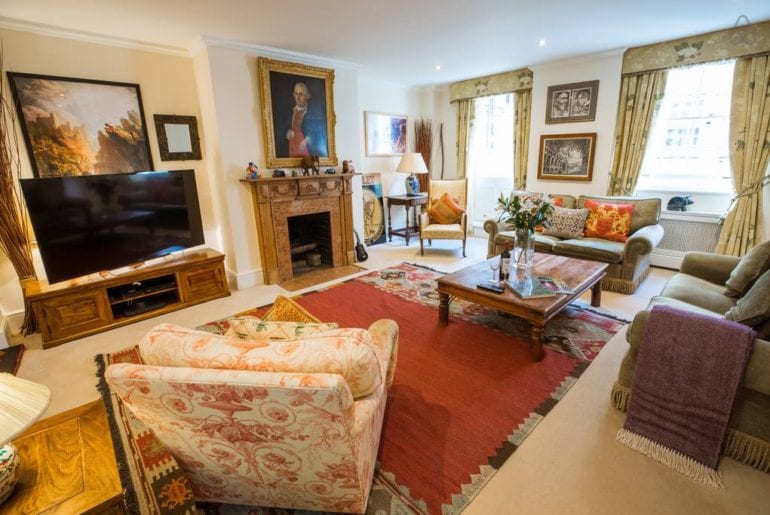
445 210
608 221
286 310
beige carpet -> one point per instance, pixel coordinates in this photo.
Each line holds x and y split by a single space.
571 462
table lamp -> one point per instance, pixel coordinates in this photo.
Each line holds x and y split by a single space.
22 402
412 163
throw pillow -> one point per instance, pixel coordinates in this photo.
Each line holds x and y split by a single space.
567 223
751 266
608 221
555 202
252 328
348 353
445 210
286 310
754 307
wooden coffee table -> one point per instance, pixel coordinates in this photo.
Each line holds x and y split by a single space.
579 274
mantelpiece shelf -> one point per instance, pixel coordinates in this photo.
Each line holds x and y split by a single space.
74 309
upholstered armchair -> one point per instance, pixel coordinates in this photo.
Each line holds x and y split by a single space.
445 217
288 423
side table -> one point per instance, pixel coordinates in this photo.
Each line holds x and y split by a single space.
413 203
68 466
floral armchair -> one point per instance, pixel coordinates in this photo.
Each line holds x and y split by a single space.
289 423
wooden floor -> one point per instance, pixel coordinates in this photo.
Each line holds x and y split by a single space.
322 275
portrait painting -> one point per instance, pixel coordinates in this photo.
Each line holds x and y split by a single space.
81 126
574 102
297 113
567 157
386 134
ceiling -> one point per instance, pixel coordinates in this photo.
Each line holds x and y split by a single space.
398 40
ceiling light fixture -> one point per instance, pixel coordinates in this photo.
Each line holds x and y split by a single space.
438 67
542 42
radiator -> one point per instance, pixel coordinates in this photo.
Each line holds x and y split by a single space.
684 233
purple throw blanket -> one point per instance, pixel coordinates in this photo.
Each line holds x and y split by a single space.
687 373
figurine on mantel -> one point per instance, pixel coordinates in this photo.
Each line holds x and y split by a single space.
279 173
347 167
252 172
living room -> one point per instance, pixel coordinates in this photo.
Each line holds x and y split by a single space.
216 80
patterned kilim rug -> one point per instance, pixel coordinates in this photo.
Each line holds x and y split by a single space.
465 395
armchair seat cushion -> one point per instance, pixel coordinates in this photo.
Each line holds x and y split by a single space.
443 232
591 248
698 292
347 352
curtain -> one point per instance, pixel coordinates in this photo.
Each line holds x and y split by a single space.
464 120
749 152
521 125
640 96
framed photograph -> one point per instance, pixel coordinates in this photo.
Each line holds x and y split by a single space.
81 126
566 157
177 137
297 113
386 134
574 102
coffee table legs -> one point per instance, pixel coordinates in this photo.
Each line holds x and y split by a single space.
596 294
536 342
443 308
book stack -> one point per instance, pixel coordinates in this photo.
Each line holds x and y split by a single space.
533 287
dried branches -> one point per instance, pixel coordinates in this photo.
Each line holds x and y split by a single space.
14 240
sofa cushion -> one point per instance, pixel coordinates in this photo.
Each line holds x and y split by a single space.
567 223
286 310
445 210
646 210
252 328
754 307
608 221
591 248
345 352
751 266
698 292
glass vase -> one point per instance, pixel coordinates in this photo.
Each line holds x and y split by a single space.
524 249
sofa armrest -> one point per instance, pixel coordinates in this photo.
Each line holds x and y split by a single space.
384 335
714 268
492 227
643 241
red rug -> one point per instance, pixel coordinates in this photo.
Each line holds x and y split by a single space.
465 395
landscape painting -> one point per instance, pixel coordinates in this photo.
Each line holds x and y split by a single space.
80 126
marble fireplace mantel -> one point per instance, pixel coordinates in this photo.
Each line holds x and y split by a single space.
277 199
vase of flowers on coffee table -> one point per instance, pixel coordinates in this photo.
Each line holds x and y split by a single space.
524 213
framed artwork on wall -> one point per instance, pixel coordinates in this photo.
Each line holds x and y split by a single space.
374 212
177 137
81 126
297 113
386 134
576 102
566 157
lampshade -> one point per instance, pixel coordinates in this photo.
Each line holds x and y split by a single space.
22 402
412 163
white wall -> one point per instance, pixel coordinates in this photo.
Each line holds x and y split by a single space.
606 68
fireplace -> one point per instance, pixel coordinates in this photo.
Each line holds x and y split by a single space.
297 216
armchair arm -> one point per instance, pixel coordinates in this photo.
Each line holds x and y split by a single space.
385 337
643 241
424 220
714 268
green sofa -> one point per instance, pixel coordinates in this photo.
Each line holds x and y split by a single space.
629 262
700 287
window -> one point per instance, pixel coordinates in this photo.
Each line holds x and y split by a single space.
490 155
688 148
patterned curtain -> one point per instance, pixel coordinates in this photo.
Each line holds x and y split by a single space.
749 153
464 119
521 125
640 96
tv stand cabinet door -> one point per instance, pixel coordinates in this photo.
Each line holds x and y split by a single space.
70 315
203 282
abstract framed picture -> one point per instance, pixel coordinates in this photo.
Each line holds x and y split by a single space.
566 157
177 137
297 113
81 126
386 134
575 102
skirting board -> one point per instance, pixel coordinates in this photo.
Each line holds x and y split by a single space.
665 258
245 279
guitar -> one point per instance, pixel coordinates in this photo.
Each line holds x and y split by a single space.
361 254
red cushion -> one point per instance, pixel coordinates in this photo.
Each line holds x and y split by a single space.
608 221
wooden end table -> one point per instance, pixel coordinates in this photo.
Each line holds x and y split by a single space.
579 274
413 203
67 465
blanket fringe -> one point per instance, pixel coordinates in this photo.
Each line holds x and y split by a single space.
748 449
672 459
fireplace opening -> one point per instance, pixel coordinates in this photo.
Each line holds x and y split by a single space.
310 242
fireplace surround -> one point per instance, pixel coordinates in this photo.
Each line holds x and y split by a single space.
276 200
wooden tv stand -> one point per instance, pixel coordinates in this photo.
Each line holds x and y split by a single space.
73 309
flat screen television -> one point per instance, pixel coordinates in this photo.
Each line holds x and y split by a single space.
91 223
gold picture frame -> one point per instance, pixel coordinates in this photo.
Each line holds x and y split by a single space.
290 135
